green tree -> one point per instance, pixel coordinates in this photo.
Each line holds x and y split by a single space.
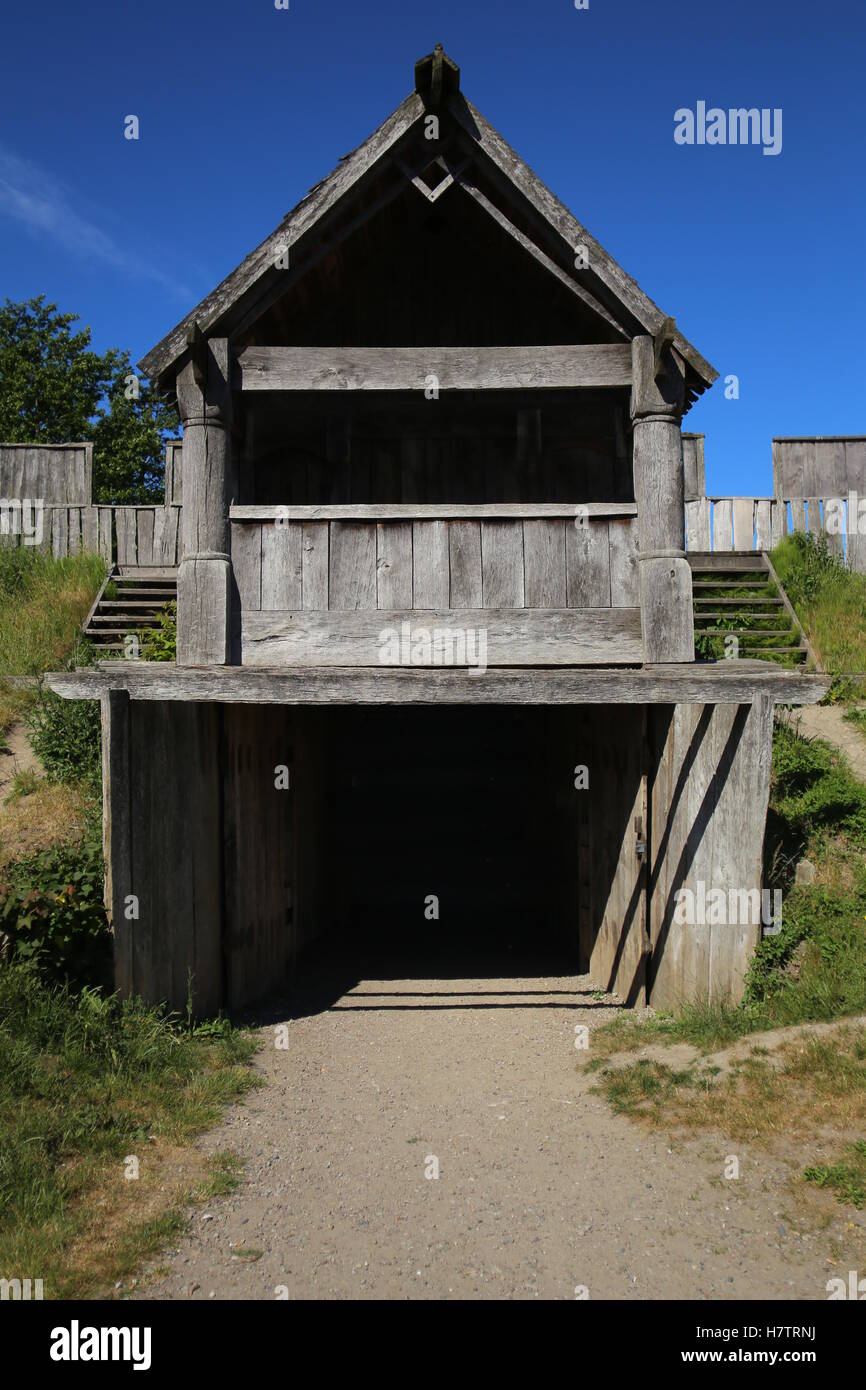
129 438
55 389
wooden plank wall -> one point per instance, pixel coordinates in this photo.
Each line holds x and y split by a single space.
162 833
259 851
53 472
436 565
709 790
545 591
61 476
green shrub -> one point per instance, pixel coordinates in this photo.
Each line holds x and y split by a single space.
813 791
52 913
160 643
67 736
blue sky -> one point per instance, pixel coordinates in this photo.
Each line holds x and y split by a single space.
242 107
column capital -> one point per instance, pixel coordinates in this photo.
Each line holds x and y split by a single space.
210 403
656 397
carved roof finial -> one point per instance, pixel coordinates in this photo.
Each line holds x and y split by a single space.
435 76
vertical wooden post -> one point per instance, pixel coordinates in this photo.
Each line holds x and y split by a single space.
117 830
667 620
204 581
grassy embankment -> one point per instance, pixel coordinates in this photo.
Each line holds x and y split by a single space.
86 1084
813 971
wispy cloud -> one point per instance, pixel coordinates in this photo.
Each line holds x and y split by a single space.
34 197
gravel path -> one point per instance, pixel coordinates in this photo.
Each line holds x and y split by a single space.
541 1187
829 722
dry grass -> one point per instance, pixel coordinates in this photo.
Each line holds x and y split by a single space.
804 1101
53 814
130 1220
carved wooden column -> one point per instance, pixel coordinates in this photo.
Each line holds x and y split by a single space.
204 581
667 619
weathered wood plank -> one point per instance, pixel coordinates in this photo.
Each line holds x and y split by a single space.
561 366
725 682
624 576
394 564
744 523
352 581
502 574
515 637
464 550
430 565
315 564
282 565
544 564
144 521
587 546
439 511
247 564
723 524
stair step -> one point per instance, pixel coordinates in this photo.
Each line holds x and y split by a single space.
752 584
742 602
743 631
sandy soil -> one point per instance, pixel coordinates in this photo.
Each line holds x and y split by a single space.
828 722
17 756
541 1187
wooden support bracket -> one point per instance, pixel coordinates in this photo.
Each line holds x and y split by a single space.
197 344
662 339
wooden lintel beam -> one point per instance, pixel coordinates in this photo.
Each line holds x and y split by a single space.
713 683
557 367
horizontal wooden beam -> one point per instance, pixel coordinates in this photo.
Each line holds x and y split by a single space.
445 511
558 367
477 637
723 682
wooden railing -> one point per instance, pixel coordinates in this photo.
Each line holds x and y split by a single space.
548 584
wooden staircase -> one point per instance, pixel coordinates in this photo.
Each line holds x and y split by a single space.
129 600
740 596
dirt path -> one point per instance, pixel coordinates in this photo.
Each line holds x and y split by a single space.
541 1187
828 722
16 756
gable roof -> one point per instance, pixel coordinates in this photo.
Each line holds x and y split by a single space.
542 224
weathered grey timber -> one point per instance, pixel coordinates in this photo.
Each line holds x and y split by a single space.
441 511
694 467
709 796
723 682
204 581
665 578
58 473
445 369
512 637
503 558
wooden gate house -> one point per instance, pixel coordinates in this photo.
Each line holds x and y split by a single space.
435 622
